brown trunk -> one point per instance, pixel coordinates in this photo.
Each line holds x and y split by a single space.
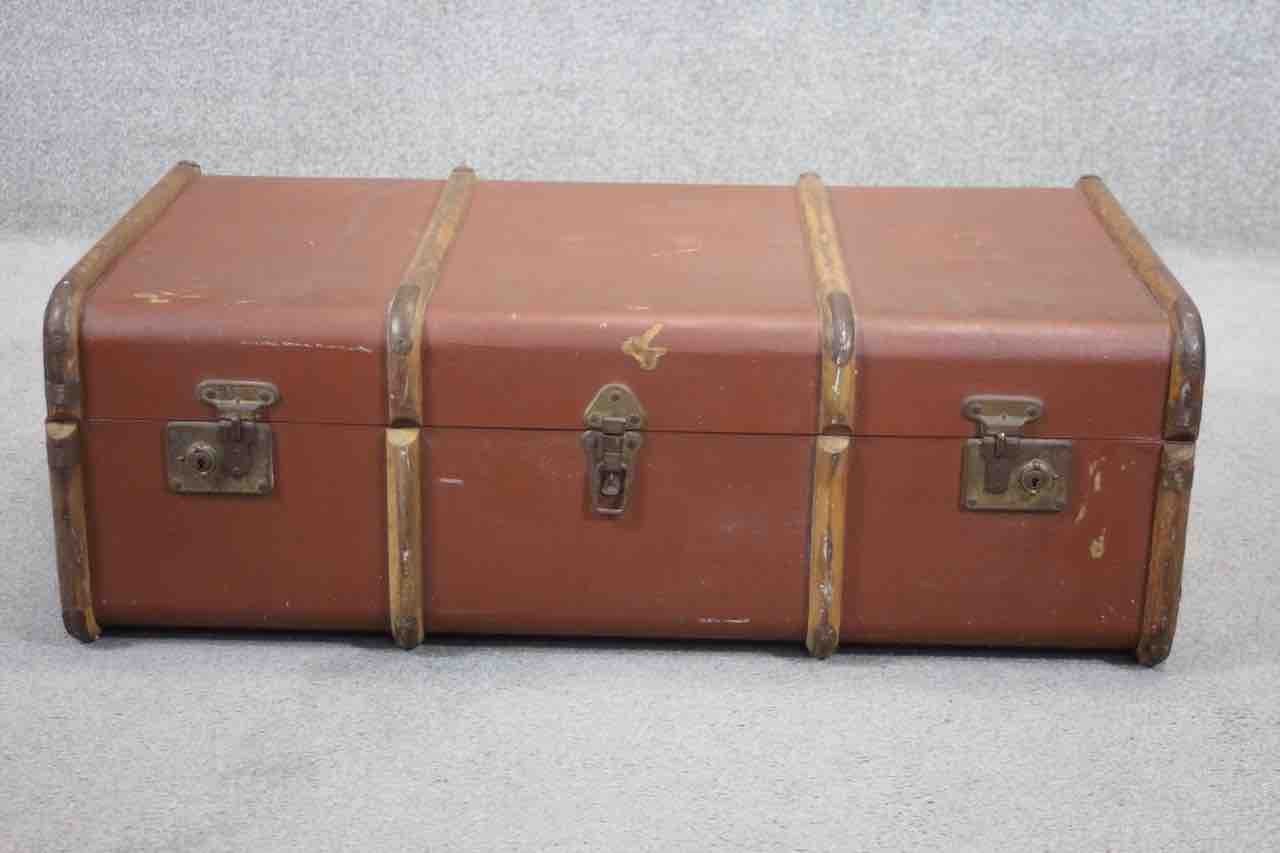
798 360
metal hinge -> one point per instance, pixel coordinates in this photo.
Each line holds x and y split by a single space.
614 421
1004 470
234 455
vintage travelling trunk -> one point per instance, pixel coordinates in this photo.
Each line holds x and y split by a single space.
832 415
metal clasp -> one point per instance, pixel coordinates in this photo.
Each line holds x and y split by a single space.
1004 470
614 420
233 455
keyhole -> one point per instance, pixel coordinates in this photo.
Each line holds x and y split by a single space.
612 485
1034 476
202 459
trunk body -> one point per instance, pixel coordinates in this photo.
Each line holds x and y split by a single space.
451 340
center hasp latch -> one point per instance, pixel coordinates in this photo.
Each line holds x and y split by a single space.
1003 470
615 420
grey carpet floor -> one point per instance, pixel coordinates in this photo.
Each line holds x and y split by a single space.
179 742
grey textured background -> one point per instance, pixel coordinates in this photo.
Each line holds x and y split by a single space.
175 742
1177 105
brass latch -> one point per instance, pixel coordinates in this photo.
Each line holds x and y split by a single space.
614 421
1003 470
234 455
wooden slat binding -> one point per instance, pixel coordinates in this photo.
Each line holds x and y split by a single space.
826 543
63 391
835 305
64 395
404 535
834 444
1168 544
1186 374
409 304
70 529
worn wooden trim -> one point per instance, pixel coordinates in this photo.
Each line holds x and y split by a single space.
404 535
1187 368
826 543
1168 544
409 304
64 393
836 407
835 305
70 529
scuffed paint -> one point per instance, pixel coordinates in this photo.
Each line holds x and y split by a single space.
641 348
1098 546
1095 473
691 247
270 342
164 297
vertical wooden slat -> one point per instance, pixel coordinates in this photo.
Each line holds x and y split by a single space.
404 535
836 406
835 304
1187 365
1183 406
826 543
409 304
1168 544
405 319
70 529
63 392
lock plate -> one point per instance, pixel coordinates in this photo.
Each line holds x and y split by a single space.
201 459
234 455
1004 471
1034 479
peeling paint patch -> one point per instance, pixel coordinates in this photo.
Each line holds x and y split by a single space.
269 342
692 248
1098 546
1095 473
712 620
164 297
159 297
450 481
641 348
1084 510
